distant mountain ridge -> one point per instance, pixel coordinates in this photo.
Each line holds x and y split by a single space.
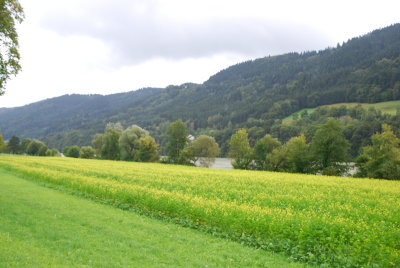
252 94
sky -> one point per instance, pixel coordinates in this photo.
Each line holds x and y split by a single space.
112 46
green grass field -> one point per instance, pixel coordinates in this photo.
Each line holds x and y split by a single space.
41 227
331 221
388 107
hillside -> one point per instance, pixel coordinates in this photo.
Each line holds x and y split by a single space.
252 94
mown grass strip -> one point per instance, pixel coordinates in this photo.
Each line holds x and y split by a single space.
40 227
323 220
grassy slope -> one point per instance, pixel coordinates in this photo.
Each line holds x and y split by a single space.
43 227
388 107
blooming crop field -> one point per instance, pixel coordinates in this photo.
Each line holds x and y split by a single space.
341 222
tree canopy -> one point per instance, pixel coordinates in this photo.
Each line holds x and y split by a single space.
382 158
205 149
330 148
11 13
177 140
240 150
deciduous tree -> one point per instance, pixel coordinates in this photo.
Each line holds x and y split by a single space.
240 150
110 141
2 144
11 13
177 140
148 150
329 148
262 149
298 155
37 148
87 152
129 143
205 149
13 145
72 151
382 158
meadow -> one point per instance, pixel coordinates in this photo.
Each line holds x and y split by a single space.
41 227
387 107
333 221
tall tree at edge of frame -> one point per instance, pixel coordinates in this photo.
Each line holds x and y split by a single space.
11 13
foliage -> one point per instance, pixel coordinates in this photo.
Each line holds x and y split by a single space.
262 149
52 152
382 159
177 140
72 151
13 145
328 221
3 145
98 143
36 147
110 142
277 160
24 145
148 150
87 152
205 149
298 155
330 148
187 156
240 150
129 143
11 13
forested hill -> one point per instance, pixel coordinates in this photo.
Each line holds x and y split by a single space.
250 94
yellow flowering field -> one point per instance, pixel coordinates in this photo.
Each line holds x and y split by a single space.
342 222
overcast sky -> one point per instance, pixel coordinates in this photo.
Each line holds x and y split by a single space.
111 46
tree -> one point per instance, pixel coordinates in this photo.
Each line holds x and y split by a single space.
37 148
10 13
329 148
205 149
13 145
24 145
110 141
382 158
52 152
177 140
240 150
148 150
98 143
2 144
87 152
187 156
72 151
298 155
263 147
129 143
277 160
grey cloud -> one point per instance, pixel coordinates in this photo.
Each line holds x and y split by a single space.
138 36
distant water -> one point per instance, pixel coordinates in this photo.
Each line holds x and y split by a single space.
221 163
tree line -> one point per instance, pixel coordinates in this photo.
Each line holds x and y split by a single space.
327 152
26 146
130 144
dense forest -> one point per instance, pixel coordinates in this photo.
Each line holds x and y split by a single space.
255 95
